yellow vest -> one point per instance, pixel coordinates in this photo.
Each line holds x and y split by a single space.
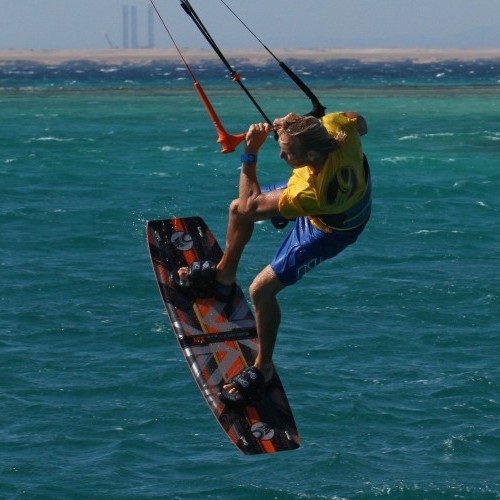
340 184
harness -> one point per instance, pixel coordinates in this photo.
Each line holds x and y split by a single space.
358 214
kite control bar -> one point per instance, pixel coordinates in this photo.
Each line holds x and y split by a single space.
227 141
234 75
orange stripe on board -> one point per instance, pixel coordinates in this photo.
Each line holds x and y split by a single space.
238 365
189 254
202 309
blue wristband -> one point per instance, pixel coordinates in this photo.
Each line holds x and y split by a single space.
248 158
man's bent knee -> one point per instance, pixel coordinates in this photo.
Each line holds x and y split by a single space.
236 213
234 207
265 286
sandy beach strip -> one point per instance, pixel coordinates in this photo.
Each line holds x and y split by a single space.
243 56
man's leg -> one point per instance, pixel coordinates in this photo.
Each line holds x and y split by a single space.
239 232
263 293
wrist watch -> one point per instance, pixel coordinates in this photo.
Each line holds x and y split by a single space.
248 158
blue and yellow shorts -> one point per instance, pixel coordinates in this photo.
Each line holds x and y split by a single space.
306 246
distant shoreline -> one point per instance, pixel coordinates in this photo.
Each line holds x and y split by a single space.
244 56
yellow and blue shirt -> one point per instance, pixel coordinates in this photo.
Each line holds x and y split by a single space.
337 187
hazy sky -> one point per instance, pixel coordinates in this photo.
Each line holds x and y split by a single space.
80 24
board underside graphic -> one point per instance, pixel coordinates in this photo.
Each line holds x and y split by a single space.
218 339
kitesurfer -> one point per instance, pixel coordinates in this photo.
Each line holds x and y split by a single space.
329 198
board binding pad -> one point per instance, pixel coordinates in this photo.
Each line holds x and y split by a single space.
218 339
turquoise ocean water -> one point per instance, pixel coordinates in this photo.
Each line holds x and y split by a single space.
390 353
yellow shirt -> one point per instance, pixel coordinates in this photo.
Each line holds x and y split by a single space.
338 186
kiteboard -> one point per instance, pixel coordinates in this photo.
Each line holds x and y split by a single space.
218 339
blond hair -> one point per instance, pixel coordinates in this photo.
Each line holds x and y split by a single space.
312 134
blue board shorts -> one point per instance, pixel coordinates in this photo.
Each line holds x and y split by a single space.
306 246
